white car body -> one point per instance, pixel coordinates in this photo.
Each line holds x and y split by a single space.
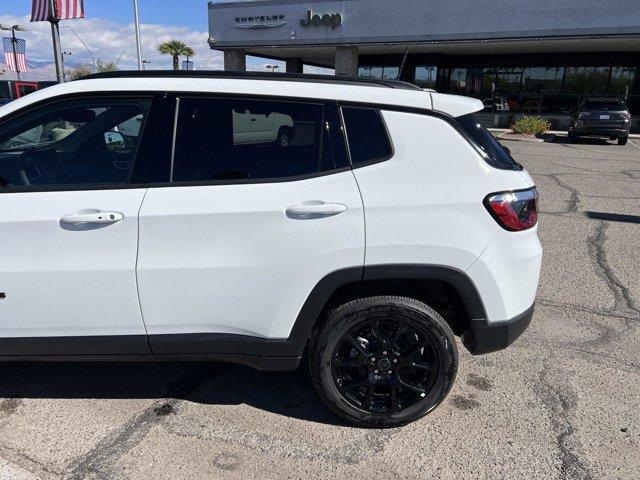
251 127
199 265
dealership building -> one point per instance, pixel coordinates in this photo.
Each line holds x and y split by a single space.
536 56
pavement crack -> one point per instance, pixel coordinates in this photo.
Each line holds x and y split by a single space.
574 198
28 463
634 174
102 460
624 303
560 400
581 308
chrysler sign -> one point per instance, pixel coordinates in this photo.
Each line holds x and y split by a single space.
261 21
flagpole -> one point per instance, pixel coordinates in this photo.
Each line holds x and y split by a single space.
15 53
55 35
137 25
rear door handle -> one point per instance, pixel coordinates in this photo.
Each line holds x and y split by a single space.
316 208
94 218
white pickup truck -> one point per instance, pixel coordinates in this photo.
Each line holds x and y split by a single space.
250 127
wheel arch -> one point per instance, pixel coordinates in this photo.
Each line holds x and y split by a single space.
422 282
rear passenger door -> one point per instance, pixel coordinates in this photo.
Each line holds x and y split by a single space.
238 235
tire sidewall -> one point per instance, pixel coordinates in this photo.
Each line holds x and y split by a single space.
412 313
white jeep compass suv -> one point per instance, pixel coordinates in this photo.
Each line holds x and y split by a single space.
136 223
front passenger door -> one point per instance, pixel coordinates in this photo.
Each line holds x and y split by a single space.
69 229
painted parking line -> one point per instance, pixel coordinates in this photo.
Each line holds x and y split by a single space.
634 144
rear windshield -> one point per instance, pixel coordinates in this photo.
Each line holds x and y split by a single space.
615 106
494 153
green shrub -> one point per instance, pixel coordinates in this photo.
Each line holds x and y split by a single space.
531 125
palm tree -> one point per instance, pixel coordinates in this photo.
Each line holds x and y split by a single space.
175 48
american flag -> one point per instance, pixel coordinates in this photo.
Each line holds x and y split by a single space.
63 10
21 54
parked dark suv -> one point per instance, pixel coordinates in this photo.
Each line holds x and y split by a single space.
601 117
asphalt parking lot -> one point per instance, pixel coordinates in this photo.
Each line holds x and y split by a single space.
563 402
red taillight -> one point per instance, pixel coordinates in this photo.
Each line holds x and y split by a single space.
514 211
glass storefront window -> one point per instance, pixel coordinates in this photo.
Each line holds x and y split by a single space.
458 82
426 75
542 79
622 81
508 82
586 80
388 72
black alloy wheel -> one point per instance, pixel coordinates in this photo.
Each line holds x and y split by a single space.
383 361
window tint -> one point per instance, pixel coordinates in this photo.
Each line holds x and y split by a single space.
494 153
236 139
367 135
613 105
83 142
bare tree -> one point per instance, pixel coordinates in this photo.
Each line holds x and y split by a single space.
79 71
106 66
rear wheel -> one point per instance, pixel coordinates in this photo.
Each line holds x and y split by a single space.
623 140
284 138
383 361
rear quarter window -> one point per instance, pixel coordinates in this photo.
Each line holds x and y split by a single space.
367 135
492 151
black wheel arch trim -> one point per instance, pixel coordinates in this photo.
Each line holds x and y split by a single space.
310 313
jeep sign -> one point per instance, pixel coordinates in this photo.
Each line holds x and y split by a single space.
328 20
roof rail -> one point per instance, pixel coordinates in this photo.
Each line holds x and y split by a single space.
293 77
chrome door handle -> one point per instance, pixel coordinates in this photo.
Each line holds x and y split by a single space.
94 218
316 208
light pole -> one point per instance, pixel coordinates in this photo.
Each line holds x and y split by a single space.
273 68
63 54
137 24
93 59
14 41
145 62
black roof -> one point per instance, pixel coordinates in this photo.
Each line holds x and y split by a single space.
293 77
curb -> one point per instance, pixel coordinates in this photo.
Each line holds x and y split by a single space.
513 138
557 133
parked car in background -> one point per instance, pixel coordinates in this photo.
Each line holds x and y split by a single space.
4 101
262 127
136 223
602 118
12 90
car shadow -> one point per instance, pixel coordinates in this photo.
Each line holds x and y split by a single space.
289 394
613 217
564 140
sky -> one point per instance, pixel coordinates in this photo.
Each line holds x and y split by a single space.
108 32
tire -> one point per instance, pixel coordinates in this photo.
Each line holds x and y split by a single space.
623 140
284 138
412 375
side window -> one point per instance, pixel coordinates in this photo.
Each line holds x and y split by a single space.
367 135
238 139
74 143
492 150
